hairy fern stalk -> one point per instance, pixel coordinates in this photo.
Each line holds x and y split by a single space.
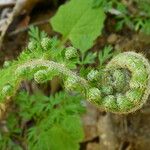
122 87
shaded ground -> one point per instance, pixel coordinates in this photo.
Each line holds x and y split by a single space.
103 130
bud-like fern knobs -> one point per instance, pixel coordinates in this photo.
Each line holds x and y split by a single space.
71 83
108 90
122 87
109 102
7 90
120 80
22 72
71 52
94 95
41 76
126 83
93 75
32 45
46 43
6 64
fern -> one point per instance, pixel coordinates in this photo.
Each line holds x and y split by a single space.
43 70
137 20
121 86
54 127
42 62
105 54
50 117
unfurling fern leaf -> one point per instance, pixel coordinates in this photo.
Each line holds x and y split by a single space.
128 74
123 87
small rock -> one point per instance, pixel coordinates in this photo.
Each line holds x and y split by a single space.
93 146
90 123
112 38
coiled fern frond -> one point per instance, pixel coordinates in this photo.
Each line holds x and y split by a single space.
123 86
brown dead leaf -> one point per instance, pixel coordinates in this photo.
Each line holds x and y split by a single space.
22 6
4 3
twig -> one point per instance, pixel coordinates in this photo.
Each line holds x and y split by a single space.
4 3
19 7
26 28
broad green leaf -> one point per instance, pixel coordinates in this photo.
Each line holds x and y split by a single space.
67 136
63 136
78 21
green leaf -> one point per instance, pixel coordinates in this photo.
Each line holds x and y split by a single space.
89 58
79 22
51 130
145 28
67 137
105 54
36 34
98 3
58 136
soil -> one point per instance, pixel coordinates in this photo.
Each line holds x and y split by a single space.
103 131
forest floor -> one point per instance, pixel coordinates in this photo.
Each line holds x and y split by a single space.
102 130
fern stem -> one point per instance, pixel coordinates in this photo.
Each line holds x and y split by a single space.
123 88
53 66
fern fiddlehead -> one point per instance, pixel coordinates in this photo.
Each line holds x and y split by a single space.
122 88
126 83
